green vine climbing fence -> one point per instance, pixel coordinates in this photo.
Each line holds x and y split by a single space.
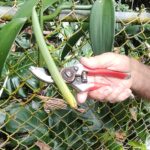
33 115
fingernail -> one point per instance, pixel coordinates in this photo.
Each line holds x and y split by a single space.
106 90
130 94
128 91
81 97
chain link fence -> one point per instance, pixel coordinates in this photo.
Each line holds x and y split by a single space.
33 114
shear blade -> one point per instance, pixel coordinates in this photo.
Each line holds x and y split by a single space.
41 74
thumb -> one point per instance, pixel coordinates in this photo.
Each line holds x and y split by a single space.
101 61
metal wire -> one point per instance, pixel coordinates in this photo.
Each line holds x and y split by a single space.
30 118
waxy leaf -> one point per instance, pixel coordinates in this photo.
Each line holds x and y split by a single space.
47 3
73 40
9 33
26 9
102 26
26 120
11 30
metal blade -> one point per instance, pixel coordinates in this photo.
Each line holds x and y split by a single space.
41 74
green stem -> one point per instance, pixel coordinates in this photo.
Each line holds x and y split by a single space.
40 58
41 63
53 15
50 62
64 7
77 7
41 14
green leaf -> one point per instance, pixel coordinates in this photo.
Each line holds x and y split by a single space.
2 117
93 122
16 83
136 145
14 27
9 33
9 87
133 29
20 64
26 9
108 138
26 120
73 40
140 129
102 26
23 41
47 3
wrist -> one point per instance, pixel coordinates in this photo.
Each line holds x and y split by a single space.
140 76
137 80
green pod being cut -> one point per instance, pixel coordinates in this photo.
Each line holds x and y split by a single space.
102 26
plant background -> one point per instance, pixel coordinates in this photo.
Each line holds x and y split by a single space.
31 114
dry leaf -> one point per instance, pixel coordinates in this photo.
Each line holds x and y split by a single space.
28 30
42 145
120 136
51 104
43 98
2 21
13 48
81 110
133 112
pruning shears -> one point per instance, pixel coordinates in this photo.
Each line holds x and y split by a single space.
78 76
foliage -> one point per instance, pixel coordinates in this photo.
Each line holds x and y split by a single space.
23 118
102 24
50 62
15 26
6 42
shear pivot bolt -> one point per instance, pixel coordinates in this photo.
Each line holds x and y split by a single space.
68 74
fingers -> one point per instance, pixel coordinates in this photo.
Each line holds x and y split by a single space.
96 94
113 97
81 97
126 94
106 94
100 61
108 60
101 93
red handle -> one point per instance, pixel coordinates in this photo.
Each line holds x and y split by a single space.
108 73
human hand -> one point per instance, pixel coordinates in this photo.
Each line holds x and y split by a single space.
118 89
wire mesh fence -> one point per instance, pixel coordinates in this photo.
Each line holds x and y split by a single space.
33 114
